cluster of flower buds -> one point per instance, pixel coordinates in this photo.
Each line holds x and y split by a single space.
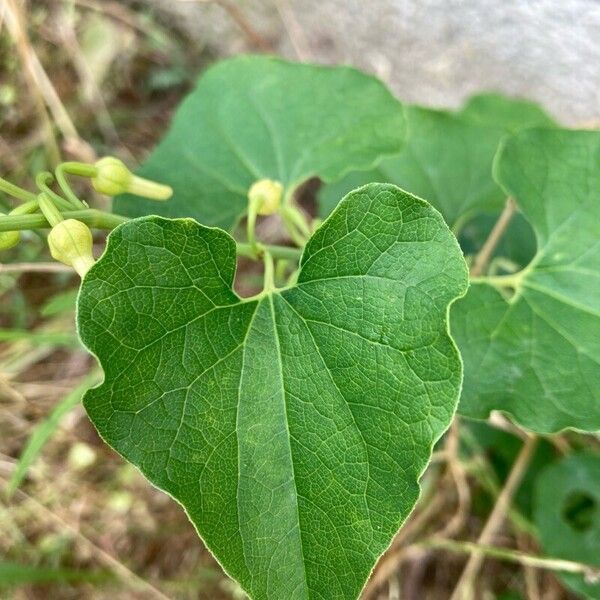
70 240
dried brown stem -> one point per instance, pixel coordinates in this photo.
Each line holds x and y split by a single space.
464 587
35 267
483 256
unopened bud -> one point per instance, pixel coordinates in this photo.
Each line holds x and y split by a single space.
71 243
266 195
113 178
8 239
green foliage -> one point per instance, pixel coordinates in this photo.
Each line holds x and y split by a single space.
530 340
567 514
254 118
293 427
448 157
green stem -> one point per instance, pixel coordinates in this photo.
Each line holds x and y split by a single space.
78 168
74 168
15 191
297 218
42 180
49 210
253 209
280 269
269 276
277 252
90 216
292 229
102 220
25 209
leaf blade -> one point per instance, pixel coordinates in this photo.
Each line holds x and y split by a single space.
255 117
447 158
288 434
543 343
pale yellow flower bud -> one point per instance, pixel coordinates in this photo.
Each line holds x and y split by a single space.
71 243
266 195
113 178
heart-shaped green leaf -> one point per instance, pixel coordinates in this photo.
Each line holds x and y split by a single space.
536 354
292 427
567 515
255 117
448 157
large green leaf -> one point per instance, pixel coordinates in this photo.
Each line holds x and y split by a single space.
256 117
567 514
292 427
448 157
536 354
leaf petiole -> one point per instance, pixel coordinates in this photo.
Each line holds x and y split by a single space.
269 276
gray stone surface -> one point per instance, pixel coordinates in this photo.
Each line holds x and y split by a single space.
432 52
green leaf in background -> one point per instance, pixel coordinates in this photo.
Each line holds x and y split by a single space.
567 514
293 427
510 114
536 354
448 157
254 117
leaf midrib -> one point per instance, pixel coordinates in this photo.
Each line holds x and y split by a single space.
269 298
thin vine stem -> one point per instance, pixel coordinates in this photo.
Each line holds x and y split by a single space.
49 210
103 220
61 178
42 180
90 216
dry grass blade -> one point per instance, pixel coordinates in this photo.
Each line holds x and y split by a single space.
40 83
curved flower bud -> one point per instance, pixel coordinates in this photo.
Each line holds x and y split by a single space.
70 243
8 239
113 177
266 195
